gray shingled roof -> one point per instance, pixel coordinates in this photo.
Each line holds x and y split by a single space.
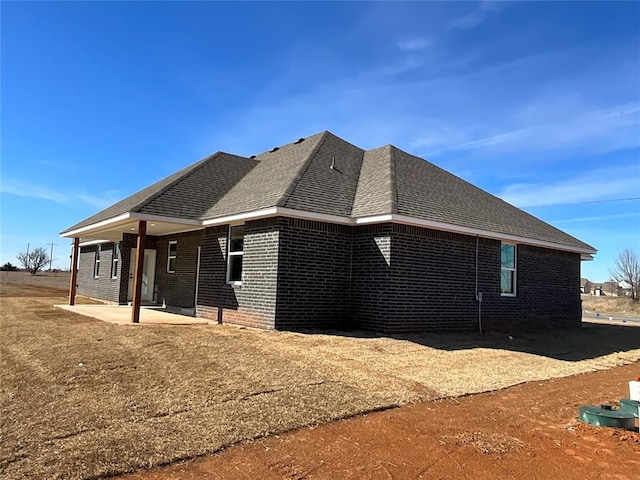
185 194
431 193
361 183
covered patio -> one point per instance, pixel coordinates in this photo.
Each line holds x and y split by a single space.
113 230
121 315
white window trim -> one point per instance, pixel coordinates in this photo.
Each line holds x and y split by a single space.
169 256
514 270
115 259
96 261
233 254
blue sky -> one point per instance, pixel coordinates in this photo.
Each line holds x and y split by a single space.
538 103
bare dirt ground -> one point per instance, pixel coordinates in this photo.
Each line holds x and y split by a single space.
528 431
80 398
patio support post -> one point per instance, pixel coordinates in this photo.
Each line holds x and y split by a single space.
74 271
137 275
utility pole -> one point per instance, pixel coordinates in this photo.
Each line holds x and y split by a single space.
28 255
51 256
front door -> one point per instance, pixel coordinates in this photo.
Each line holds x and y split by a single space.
148 275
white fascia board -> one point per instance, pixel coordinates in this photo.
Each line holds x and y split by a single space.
403 219
585 257
278 212
241 217
111 222
162 219
96 226
319 217
93 242
392 218
374 219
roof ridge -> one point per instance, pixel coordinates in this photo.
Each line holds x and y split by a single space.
305 166
394 184
290 144
188 170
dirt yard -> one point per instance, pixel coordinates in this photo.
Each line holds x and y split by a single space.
81 398
528 431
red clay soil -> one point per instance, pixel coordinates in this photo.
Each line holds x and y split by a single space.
529 431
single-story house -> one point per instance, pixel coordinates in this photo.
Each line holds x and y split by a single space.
322 234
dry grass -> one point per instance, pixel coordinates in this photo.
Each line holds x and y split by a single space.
82 399
44 278
611 305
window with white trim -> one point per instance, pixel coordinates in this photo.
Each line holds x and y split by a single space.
507 269
172 255
115 258
235 253
96 262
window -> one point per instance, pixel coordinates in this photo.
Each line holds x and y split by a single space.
171 256
508 269
114 260
96 262
236 251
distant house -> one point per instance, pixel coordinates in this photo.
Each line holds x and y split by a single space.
586 286
322 234
616 289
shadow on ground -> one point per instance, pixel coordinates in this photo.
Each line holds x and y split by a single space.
590 341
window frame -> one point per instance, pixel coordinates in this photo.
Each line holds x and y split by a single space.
513 270
172 257
230 255
115 259
96 261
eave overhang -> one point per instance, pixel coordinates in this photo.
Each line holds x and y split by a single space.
127 223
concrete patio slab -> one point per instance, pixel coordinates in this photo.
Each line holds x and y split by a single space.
121 315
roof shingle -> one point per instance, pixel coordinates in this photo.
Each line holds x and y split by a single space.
325 174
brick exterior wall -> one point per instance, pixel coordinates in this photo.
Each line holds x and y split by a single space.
391 278
177 289
254 302
370 295
104 287
300 274
313 275
432 285
547 292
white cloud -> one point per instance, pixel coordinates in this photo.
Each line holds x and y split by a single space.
414 43
598 131
476 16
102 201
612 183
31 190
598 218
